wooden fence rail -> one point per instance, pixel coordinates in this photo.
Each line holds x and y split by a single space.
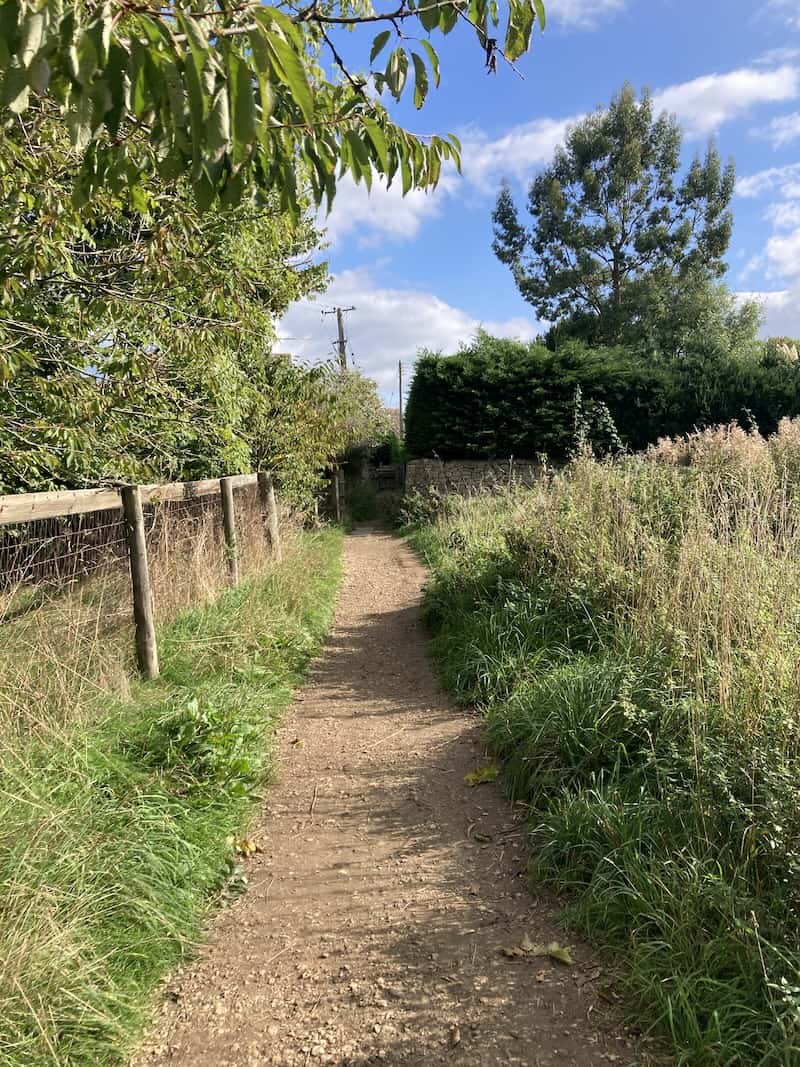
129 499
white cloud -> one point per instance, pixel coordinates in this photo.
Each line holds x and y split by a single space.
781 311
783 254
701 105
784 54
388 324
513 155
784 215
781 130
705 103
785 180
583 14
384 212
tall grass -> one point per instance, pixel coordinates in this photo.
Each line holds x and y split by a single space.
120 800
631 631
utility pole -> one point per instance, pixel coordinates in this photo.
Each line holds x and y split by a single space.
400 393
342 342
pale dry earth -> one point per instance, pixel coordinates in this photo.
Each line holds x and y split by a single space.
373 928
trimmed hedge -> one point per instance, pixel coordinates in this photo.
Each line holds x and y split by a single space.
498 397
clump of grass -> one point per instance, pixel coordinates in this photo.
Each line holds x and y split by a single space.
117 821
631 631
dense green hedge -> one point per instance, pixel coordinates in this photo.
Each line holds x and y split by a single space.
501 398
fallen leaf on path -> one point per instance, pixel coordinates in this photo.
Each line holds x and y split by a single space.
558 952
245 846
482 775
526 947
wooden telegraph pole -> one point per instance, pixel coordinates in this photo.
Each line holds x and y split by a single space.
400 393
341 343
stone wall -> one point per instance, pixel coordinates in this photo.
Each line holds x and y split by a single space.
467 475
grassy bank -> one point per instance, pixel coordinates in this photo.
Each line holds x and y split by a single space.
117 820
631 633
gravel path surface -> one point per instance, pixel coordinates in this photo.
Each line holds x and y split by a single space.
378 911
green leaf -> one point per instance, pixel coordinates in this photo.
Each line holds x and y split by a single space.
261 59
379 44
433 59
233 190
541 15
196 38
276 20
116 72
204 192
290 70
405 172
396 72
138 78
197 113
448 17
31 37
140 201
100 31
218 127
243 107
361 164
375 134
420 80
518 32
87 58
429 14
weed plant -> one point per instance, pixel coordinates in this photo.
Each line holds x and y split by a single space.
631 631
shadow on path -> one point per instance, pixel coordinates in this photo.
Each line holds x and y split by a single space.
387 889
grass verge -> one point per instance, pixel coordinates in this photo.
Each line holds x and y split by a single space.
631 633
116 827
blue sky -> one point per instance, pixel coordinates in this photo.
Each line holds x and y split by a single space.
420 270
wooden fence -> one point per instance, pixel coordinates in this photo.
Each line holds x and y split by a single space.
23 508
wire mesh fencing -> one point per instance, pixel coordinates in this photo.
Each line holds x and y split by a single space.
67 614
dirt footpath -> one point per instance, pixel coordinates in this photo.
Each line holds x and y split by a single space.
374 926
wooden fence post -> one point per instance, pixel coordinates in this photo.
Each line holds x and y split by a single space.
337 498
266 491
146 648
229 526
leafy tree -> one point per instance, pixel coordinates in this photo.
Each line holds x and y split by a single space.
236 95
620 250
137 345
